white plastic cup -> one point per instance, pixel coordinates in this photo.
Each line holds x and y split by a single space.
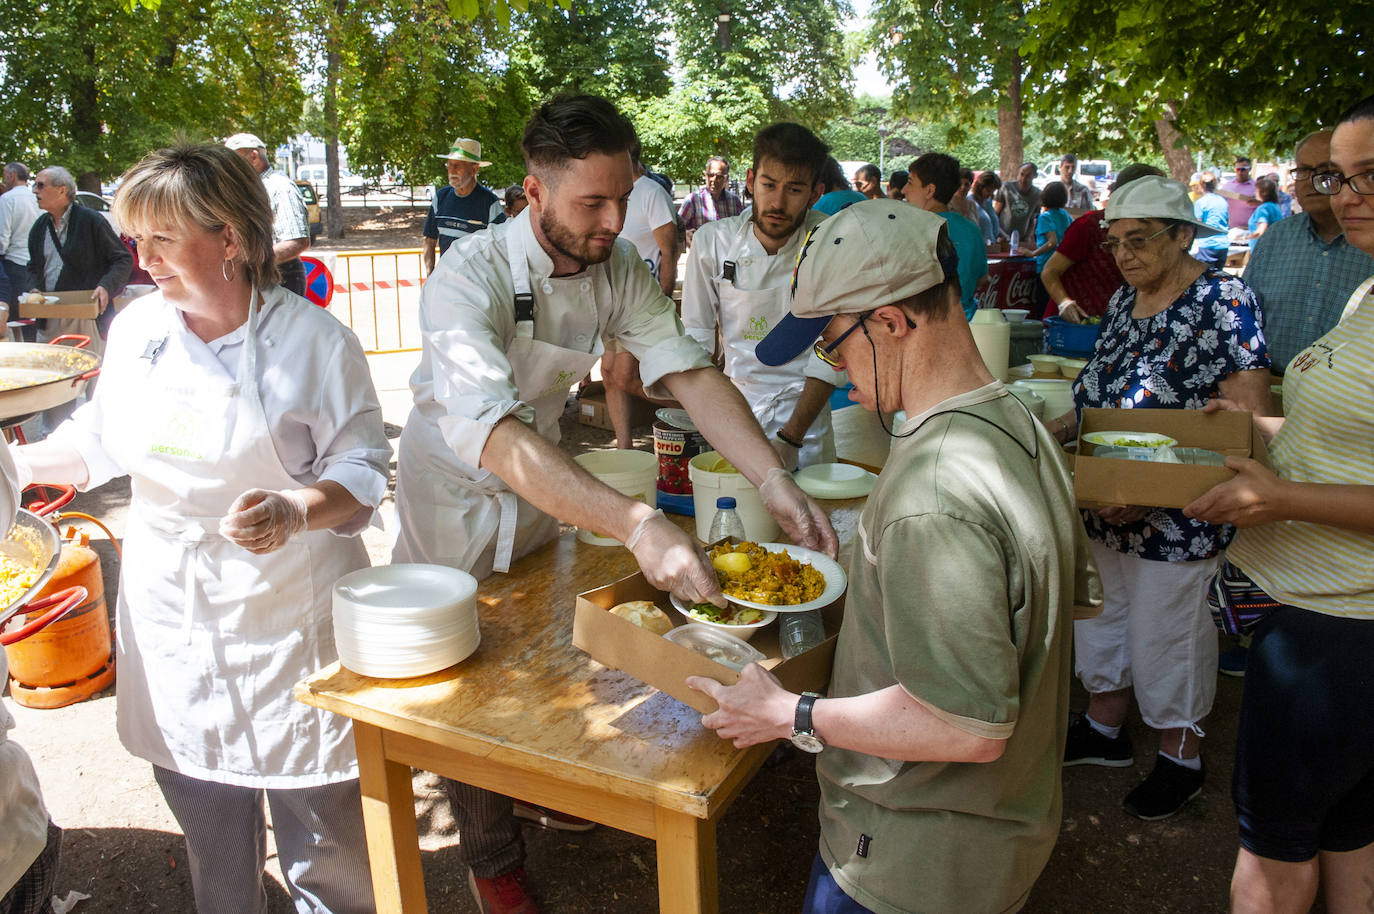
707 486
631 473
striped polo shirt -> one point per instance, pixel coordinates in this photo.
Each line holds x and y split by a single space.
1327 395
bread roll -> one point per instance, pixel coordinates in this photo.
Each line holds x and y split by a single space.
644 614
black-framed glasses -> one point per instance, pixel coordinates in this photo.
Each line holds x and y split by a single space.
826 352
1329 183
1134 245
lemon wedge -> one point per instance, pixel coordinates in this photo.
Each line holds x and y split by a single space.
732 563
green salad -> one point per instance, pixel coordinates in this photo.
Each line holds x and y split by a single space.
733 615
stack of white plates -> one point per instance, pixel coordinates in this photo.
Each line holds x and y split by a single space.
396 621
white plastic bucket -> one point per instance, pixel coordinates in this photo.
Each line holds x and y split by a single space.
707 486
631 473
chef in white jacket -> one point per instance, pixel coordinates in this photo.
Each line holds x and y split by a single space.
248 423
738 280
30 844
511 318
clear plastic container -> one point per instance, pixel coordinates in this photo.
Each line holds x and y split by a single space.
726 522
724 649
799 632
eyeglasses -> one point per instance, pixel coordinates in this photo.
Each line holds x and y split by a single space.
1329 183
1134 245
825 353
39 185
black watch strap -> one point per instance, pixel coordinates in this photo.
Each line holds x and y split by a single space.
802 722
786 440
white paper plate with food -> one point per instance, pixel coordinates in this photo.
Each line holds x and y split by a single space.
740 621
764 578
1129 439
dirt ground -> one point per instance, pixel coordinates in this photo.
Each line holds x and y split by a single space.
122 847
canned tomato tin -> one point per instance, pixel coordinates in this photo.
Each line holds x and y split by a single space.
675 446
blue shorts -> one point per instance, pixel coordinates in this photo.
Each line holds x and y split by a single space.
1304 773
824 895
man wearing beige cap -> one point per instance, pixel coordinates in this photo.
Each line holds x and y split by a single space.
290 223
463 206
940 741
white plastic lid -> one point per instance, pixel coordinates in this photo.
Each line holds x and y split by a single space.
724 649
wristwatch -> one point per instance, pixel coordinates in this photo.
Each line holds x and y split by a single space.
803 734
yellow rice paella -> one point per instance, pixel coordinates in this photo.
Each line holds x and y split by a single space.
747 571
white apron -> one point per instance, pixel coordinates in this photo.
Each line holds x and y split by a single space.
746 316
475 522
211 638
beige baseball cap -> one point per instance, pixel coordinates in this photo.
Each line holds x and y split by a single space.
870 254
466 150
244 141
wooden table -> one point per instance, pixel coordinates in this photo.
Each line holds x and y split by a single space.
533 717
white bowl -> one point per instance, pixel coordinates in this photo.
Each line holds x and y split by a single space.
1015 315
742 632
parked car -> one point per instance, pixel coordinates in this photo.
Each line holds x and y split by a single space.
312 207
99 204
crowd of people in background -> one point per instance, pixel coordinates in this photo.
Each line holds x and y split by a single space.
947 721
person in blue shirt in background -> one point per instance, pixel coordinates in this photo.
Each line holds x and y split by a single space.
1268 212
934 179
1211 208
1050 227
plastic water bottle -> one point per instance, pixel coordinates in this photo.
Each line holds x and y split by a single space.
799 632
1014 242
726 522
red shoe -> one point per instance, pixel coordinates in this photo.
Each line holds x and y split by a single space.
503 895
551 818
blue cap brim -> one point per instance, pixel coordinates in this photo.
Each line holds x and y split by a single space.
790 338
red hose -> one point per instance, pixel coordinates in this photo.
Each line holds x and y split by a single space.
65 600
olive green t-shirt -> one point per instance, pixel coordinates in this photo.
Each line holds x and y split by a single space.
961 590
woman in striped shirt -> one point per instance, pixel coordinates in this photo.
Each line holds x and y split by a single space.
1304 778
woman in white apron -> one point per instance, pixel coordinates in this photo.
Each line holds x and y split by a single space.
248 423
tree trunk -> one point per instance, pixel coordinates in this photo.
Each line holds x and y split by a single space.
1176 152
1009 138
333 216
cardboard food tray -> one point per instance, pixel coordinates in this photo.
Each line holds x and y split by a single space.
1108 481
655 660
591 408
75 303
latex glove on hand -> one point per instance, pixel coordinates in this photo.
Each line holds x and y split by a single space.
786 453
672 561
1071 312
262 521
805 523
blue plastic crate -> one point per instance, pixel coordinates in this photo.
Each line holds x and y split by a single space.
676 504
1064 338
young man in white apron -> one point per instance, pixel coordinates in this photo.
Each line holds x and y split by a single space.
738 279
511 319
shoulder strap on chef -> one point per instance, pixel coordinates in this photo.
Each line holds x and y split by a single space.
520 279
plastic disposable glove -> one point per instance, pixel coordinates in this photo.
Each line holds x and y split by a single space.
786 453
672 561
262 521
804 521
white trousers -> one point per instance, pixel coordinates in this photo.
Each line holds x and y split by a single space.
1154 634
320 844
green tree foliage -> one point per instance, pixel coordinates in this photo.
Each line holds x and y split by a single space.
1241 77
93 85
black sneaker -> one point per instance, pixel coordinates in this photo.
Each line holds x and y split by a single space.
1164 791
1085 746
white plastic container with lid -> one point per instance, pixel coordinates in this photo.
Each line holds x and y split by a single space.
631 473
992 336
708 485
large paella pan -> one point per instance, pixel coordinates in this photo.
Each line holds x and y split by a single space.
39 376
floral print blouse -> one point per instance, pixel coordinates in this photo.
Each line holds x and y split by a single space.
1172 360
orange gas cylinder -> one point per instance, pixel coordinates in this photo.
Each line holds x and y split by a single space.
71 659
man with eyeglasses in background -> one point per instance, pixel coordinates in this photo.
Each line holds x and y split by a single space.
714 201
1241 194
941 735
1302 268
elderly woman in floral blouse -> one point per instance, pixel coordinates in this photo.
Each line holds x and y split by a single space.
1175 335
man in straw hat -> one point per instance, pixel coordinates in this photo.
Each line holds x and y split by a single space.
463 206
940 741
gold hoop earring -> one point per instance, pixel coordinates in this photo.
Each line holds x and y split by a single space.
226 269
